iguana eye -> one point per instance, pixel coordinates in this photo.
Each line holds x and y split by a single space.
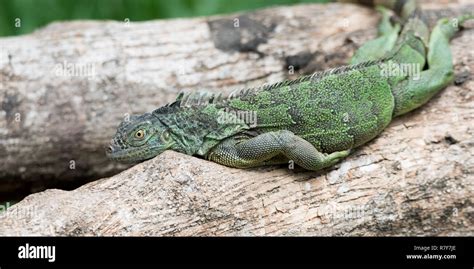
140 134
165 136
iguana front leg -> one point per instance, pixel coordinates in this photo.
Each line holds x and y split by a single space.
258 150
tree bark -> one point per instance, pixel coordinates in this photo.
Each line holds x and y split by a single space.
416 178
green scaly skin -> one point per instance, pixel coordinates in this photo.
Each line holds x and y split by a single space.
315 120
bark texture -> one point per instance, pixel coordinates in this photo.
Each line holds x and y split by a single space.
416 178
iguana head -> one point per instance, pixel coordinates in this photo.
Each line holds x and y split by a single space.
139 138
193 124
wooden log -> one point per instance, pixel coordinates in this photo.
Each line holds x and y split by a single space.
416 178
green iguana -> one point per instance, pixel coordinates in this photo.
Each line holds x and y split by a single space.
314 120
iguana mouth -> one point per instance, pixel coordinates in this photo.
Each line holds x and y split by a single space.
116 153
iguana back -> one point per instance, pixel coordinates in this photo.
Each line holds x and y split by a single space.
333 110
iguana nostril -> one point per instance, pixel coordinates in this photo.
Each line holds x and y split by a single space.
109 149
